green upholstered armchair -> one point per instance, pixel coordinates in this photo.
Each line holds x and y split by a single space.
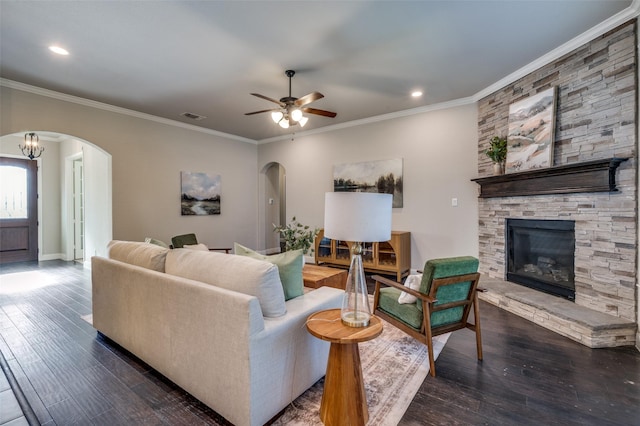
447 293
179 241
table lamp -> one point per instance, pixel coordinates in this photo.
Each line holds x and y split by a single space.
357 217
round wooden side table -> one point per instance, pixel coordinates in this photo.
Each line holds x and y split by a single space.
344 401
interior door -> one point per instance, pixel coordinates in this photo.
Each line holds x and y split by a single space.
18 210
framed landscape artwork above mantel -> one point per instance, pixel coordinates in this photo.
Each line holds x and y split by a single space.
200 193
531 132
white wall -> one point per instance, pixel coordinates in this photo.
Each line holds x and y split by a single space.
147 158
439 151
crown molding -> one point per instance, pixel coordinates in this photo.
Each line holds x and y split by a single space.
119 110
607 25
375 119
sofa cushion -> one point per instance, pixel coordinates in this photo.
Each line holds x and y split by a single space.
238 273
150 256
289 265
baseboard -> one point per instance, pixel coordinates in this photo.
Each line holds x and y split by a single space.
52 256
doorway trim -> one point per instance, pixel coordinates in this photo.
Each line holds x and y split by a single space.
279 199
68 198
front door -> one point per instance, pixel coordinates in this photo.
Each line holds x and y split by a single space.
18 210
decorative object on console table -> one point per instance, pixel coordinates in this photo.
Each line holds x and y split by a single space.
297 236
384 257
531 126
359 217
200 193
382 177
590 176
497 152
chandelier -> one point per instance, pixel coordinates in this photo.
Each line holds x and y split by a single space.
31 148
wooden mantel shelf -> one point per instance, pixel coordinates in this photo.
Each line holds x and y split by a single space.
590 176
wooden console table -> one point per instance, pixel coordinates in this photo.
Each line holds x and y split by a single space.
344 401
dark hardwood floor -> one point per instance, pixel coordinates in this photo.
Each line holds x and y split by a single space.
529 376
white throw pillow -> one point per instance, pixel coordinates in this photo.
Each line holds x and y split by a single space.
200 247
413 282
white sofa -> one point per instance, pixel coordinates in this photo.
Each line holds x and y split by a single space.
190 325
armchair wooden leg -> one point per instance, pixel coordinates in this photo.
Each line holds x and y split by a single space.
476 319
429 338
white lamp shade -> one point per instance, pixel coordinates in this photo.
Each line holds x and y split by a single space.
284 123
357 216
303 121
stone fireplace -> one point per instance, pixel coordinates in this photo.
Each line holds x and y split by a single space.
595 123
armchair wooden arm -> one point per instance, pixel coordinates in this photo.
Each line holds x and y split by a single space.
400 286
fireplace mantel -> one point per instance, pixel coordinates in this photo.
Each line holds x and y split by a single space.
589 176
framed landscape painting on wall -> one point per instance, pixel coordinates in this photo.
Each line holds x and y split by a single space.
531 129
200 193
383 177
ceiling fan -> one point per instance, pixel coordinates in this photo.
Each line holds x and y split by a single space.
290 111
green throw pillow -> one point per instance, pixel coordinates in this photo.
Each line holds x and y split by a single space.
289 266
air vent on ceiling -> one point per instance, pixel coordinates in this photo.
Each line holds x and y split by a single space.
193 116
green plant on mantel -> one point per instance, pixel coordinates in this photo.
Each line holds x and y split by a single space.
497 151
297 236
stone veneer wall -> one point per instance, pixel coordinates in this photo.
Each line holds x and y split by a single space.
595 118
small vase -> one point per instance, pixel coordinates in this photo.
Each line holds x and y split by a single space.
498 169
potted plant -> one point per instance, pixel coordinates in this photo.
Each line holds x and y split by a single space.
497 152
297 236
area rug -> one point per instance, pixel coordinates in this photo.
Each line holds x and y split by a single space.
394 366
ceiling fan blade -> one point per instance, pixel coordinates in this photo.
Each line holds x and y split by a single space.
261 111
319 112
268 99
307 99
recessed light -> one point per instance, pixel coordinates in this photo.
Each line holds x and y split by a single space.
416 94
59 50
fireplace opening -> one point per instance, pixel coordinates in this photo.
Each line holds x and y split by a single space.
540 255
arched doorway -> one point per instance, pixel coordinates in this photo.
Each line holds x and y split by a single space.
58 214
275 210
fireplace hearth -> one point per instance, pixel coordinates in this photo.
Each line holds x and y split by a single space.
540 255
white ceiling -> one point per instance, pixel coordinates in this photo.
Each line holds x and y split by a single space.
168 57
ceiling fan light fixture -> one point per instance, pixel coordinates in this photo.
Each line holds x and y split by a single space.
290 111
296 114
276 116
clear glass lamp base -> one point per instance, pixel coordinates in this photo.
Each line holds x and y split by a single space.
356 319
355 303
